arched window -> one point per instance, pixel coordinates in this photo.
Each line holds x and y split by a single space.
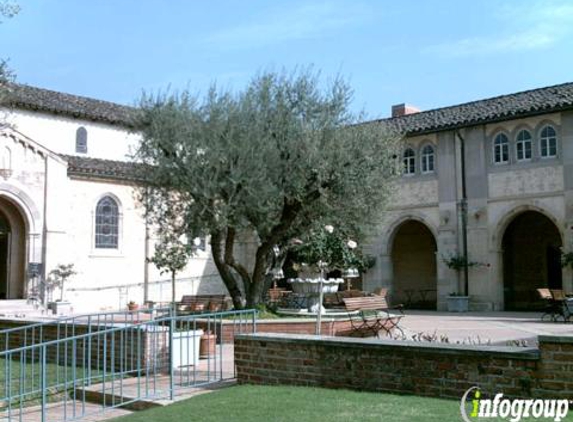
81 140
106 223
428 159
548 142
501 149
409 161
523 145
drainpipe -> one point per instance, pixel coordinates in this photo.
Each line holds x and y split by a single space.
43 272
464 212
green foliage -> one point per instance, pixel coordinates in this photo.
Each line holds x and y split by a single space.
58 277
8 9
458 262
270 160
566 259
331 245
171 254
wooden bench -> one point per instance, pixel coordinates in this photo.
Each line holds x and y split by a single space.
373 316
336 300
200 303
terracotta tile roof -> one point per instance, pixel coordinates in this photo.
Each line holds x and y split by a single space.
105 169
505 107
32 98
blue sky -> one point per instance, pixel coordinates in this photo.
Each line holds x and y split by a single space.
428 53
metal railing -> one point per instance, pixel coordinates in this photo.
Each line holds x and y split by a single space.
79 373
29 334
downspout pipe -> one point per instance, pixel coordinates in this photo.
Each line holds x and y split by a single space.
464 213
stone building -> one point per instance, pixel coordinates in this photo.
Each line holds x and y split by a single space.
519 176
67 196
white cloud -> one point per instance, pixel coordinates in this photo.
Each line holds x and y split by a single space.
537 26
304 21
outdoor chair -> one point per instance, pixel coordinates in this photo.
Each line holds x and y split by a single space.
374 315
556 309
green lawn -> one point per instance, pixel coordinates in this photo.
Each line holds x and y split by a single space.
288 404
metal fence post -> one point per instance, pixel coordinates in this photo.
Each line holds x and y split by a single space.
43 381
171 375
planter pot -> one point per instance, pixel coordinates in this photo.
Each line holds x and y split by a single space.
197 307
214 307
208 345
60 307
186 348
132 307
458 303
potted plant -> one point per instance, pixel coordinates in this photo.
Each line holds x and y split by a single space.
458 302
57 278
132 306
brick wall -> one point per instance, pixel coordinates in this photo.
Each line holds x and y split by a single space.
406 367
229 329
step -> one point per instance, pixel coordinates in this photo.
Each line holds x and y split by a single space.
133 388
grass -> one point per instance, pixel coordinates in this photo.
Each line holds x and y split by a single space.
20 383
286 404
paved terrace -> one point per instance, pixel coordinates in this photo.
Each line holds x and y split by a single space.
499 327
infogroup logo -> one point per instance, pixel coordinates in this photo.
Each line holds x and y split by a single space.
475 408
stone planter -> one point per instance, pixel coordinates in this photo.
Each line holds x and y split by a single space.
458 303
60 307
186 348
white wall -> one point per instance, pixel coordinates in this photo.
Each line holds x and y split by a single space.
58 134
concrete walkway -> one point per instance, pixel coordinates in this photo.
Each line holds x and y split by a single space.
474 327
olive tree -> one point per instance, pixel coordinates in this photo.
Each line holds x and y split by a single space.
7 10
269 160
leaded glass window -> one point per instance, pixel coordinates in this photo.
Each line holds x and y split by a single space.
107 223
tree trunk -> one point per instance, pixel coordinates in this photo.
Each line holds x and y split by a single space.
225 272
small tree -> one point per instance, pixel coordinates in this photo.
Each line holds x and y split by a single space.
270 160
58 277
171 256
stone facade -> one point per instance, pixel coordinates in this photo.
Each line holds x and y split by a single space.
497 193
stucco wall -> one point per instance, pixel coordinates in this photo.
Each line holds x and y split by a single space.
58 134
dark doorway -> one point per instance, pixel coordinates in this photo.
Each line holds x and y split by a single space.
4 251
531 260
414 263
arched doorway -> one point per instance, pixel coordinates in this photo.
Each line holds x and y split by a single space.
414 265
531 260
12 251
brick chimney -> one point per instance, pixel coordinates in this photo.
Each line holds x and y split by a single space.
403 109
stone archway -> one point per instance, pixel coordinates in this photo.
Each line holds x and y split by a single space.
414 280
531 259
13 235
